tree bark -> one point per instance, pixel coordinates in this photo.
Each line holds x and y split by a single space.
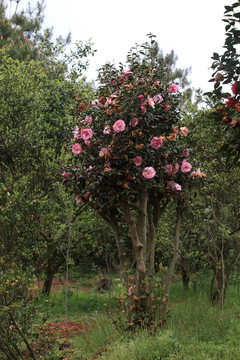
154 210
218 295
142 220
151 243
221 278
172 267
50 272
185 277
121 253
138 246
48 281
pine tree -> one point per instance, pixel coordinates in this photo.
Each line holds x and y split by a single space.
22 33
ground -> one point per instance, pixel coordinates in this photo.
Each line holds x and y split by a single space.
62 329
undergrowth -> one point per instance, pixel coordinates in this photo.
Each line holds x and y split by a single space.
194 330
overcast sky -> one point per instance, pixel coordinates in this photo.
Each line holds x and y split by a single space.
192 28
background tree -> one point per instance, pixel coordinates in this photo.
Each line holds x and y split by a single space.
37 108
22 33
216 203
173 73
226 72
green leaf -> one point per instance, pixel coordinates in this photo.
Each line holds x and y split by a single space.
227 27
228 8
235 5
215 56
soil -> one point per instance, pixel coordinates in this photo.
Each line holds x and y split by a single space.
57 285
62 329
66 329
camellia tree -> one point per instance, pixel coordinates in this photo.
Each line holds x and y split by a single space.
127 161
226 72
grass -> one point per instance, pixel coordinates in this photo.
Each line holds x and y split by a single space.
195 329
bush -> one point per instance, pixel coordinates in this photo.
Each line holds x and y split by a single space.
21 336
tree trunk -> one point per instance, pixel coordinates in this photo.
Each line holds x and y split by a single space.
221 278
138 246
48 280
185 277
218 295
172 266
151 243
121 253
154 209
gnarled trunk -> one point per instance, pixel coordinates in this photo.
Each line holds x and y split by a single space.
138 236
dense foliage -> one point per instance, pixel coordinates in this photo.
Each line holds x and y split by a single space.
226 72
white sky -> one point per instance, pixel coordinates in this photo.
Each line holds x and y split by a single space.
192 28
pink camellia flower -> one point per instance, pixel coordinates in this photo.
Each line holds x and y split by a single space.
141 81
78 199
119 126
66 174
148 172
76 149
186 167
185 153
137 161
130 291
167 107
175 168
88 120
126 73
86 134
156 142
76 133
158 98
107 130
172 170
193 174
184 131
173 88
95 103
108 102
104 152
156 82
133 122
177 187
174 186
86 195
89 169
175 129
143 108
140 97
151 102
87 142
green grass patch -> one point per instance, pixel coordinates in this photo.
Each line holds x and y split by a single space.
195 329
